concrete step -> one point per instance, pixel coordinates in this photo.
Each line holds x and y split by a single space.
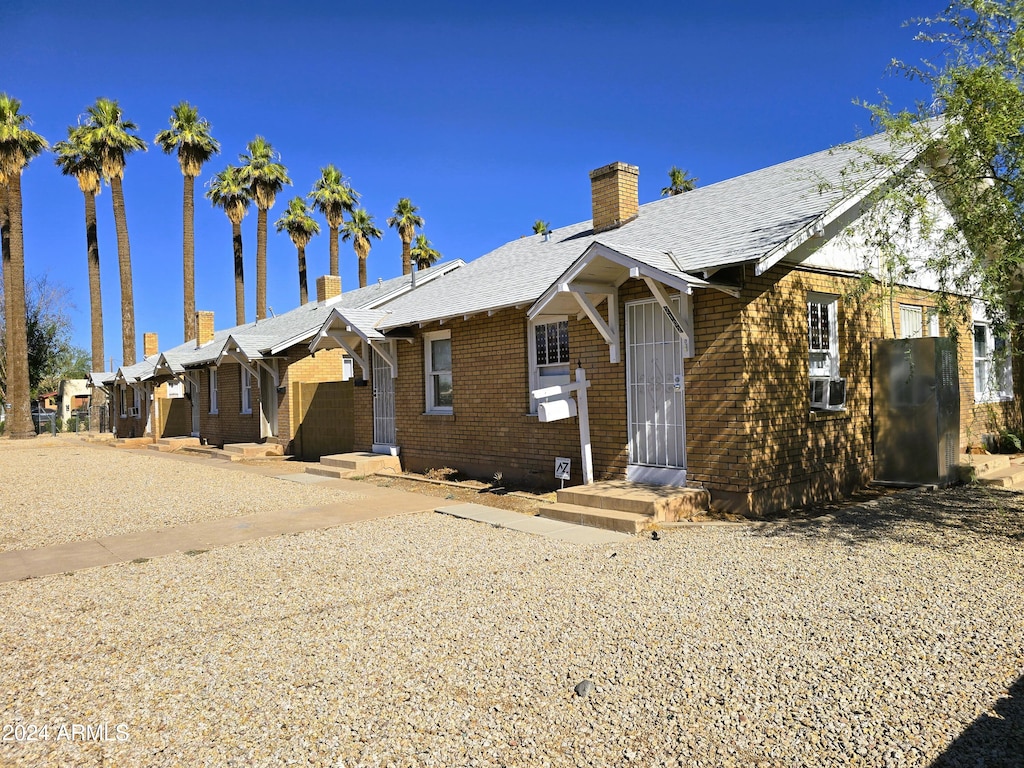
973 466
363 463
207 450
170 444
1010 476
606 519
132 442
661 503
254 450
335 472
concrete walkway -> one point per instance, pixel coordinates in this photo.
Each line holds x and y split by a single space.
374 502
539 526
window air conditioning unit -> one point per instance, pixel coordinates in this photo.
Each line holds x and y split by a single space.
133 412
828 394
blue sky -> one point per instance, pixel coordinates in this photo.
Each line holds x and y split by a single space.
487 119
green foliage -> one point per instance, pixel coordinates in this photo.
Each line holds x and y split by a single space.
679 181
51 356
423 253
190 136
1008 442
333 196
967 145
297 222
541 227
262 171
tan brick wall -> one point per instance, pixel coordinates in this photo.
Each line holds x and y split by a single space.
150 344
323 413
129 426
175 416
297 367
204 327
229 424
752 439
614 195
327 287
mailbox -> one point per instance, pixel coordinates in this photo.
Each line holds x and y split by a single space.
554 410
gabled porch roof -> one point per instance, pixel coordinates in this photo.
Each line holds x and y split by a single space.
356 331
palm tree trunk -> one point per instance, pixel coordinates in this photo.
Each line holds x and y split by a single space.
362 270
406 257
303 291
20 424
92 246
124 260
334 250
5 260
261 263
236 240
188 255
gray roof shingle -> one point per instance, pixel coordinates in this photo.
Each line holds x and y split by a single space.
738 220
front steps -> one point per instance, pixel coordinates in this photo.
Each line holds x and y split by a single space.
131 442
618 505
996 469
355 464
171 444
238 451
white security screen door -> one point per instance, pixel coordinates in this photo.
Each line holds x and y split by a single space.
193 390
383 403
655 408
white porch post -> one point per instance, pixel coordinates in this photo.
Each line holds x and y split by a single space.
584 420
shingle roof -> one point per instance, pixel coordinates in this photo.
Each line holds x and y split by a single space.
272 334
738 220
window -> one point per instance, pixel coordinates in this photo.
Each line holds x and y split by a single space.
549 356
347 368
824 335
438 369
175 390
246 391
124 400
137 399
916 322
213 390
993 377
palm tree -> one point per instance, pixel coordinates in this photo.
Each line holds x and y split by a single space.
360 229
265 177
76 158
109 136
18 145
228 191
541 227
679 181
333 197
300 227
189 134
405 220
423 253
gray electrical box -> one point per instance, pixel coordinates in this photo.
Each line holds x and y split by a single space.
915 393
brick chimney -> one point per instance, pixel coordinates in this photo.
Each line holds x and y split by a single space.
615 195
204 327
150 345
327 287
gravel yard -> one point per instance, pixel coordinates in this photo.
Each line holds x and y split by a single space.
883 635
54 490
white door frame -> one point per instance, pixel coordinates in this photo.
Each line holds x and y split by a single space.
268 399
655 395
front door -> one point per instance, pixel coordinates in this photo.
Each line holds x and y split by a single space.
193 393
384 438
654 396
268 402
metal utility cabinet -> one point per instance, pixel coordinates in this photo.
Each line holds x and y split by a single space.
915 389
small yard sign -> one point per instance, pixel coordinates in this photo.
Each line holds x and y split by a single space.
562 468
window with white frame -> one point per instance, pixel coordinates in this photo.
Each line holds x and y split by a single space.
213 390
437 355
137 399
175 390
246 391
549 355
347 368
823 335
123 389
917 322
993 375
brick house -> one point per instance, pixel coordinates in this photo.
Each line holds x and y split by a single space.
707 324
257 382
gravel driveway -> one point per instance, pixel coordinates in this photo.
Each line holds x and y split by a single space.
885 635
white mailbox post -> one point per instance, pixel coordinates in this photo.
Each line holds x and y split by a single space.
564 407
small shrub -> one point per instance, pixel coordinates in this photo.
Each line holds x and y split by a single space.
1009 442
